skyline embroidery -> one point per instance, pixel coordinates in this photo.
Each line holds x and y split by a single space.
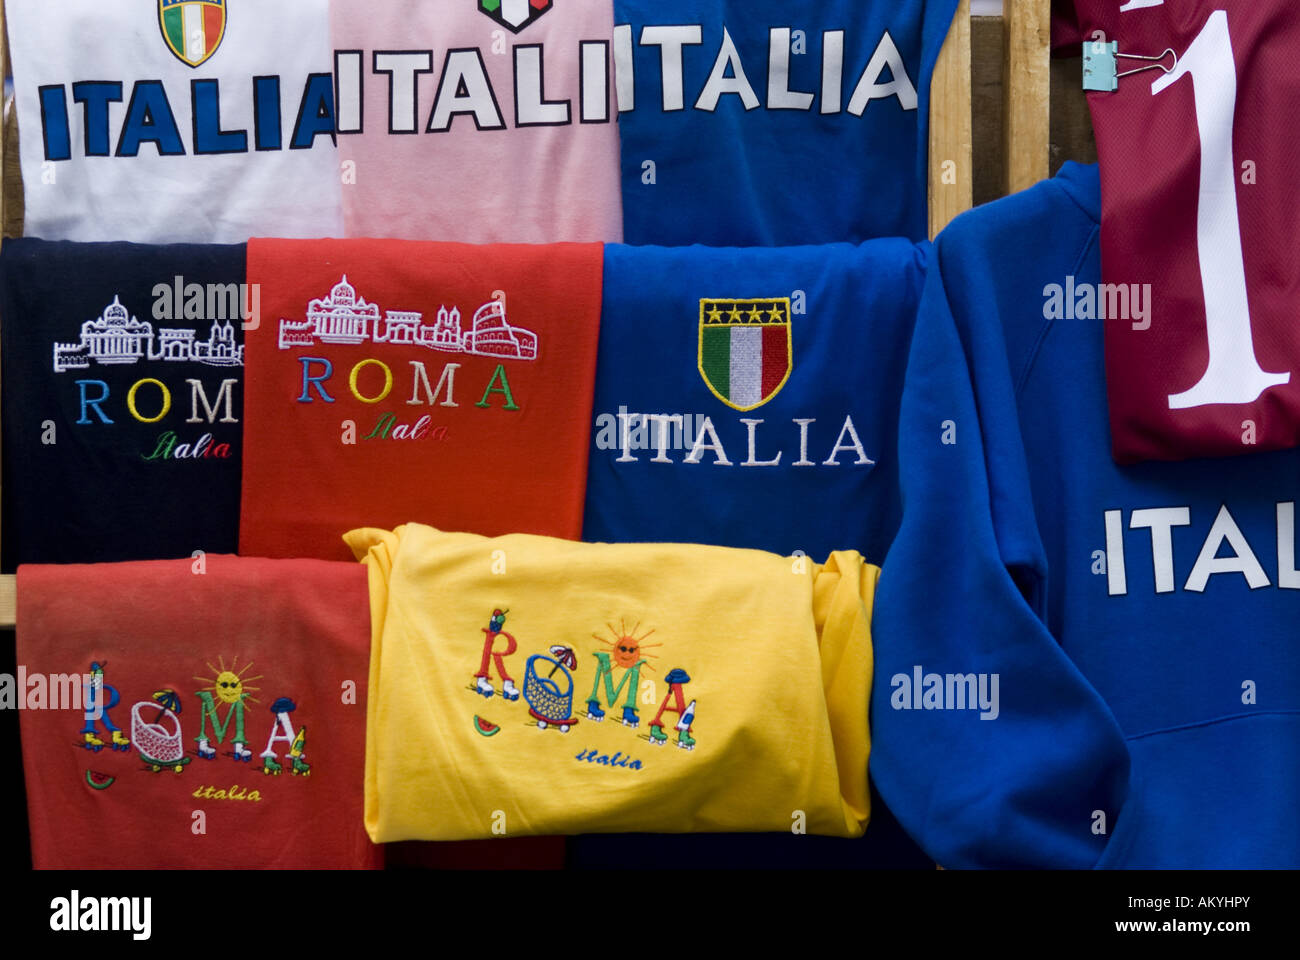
346 318
118 337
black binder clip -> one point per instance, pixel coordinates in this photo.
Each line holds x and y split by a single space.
1101 64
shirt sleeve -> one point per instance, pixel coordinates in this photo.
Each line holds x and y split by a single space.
1037 770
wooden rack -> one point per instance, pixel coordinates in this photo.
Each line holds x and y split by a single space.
1026 95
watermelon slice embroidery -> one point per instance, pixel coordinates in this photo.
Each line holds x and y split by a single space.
99 781
485 728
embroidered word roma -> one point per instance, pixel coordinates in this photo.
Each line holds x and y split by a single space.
317 371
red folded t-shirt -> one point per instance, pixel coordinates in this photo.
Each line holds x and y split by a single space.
205 713
397 381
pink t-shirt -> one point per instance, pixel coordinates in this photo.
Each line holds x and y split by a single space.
479 122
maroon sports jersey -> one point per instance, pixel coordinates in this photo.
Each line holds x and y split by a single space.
1200 238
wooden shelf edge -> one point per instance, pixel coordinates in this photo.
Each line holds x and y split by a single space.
8 599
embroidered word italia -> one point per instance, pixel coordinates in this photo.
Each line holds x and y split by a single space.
604 759
728 74
234 792
656 431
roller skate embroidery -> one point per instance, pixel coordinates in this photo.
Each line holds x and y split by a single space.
282 732
156 729
101 697
549 703
626 651
232 690
483 679
676 679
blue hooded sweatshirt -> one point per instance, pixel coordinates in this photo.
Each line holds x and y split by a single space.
1077 664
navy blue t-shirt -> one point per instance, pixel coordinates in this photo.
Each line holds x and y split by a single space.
123 378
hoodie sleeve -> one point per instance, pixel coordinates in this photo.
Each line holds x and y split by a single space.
1019 780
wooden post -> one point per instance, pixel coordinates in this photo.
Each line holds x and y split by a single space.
4 108
951 166
6 606
1027 87
11 202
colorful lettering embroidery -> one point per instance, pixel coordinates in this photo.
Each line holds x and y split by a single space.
676 679
282 732
157 735
548 687
387 427
158 740
549 703
228 687
97 708
201 449
625 652
491 655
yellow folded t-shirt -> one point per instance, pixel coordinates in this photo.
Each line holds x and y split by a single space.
524 685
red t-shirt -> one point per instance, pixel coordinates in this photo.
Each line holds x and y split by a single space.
397 381
1198 227
205 713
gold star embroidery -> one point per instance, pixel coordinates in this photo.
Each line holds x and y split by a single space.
755 315
777 315
715 315
735 314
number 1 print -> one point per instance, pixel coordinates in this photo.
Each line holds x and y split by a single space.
1233 374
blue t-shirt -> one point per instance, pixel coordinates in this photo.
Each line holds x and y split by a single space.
749 398
1076 664
774 123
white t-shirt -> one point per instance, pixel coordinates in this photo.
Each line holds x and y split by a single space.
169 121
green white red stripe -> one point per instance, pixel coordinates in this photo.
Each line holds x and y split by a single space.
193 27
745 349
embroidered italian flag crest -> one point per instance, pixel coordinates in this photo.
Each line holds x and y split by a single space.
745 349
514 15
192 29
